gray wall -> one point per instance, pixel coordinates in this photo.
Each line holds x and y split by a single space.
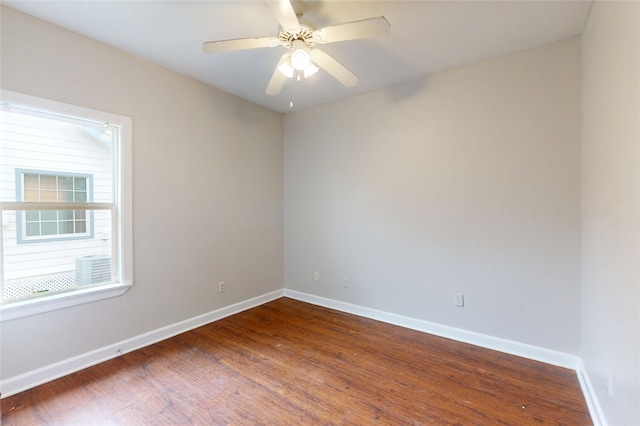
207 191
610 206
466 181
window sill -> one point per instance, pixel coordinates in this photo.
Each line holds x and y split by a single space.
54 302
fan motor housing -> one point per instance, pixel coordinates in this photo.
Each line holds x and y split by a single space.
303 33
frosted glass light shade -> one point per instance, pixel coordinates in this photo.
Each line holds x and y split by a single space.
299 55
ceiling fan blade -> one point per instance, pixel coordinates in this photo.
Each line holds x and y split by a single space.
372 27
239 44
284 13
333 67
278 78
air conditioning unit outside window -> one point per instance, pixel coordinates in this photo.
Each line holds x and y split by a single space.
93 269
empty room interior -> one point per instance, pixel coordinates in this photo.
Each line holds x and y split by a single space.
449 187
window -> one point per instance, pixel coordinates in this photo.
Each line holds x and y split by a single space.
53 225
65 201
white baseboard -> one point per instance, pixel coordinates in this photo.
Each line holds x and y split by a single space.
524 350
597 415
51 372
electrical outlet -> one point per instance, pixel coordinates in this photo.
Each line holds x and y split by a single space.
221 286
459 300
316 276
346 282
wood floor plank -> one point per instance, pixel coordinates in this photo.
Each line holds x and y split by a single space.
292 363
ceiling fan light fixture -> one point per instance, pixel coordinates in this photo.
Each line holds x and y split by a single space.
300 57
310 70
300 37
286 68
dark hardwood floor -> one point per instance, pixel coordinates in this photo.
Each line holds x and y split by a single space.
291 363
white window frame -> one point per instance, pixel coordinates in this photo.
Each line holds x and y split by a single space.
121 210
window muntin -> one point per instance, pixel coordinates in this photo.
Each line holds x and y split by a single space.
51 225
104 203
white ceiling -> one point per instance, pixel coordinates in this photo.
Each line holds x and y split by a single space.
426 37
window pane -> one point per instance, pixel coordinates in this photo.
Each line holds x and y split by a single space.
81 196
31 181
33 229
49 228
66 227
81 226
48 196
80 214
80 184
65 214
32 195
65 183
49 215
57 269
32 215
47 182
65 196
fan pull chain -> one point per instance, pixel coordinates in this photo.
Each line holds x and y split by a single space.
291 99
291 89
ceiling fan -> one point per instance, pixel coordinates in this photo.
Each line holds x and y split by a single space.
300 37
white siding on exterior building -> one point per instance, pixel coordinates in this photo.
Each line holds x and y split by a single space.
40 144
